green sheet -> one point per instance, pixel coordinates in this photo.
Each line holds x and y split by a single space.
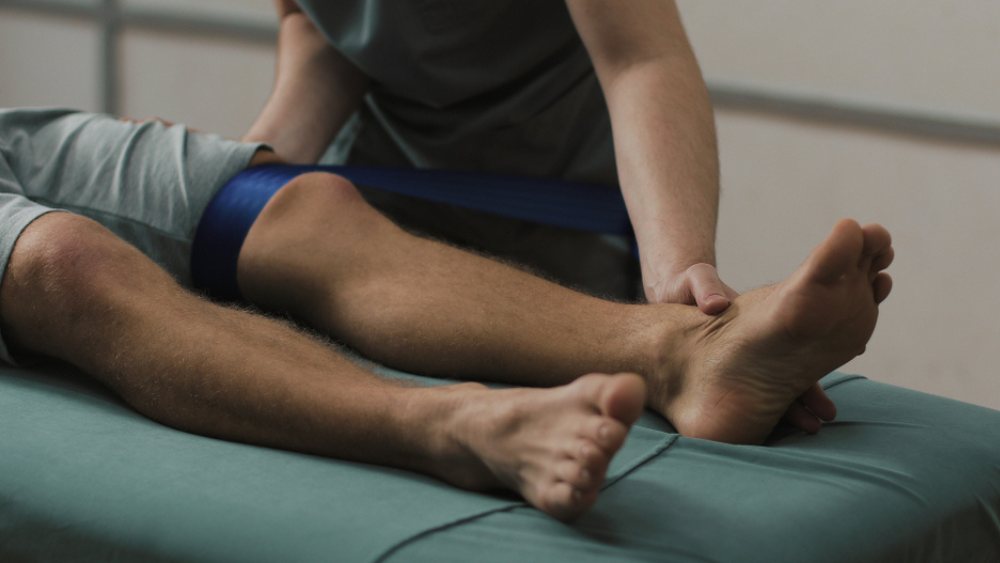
84 477
901 476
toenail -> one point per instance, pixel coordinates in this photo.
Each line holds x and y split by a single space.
585 474
603 432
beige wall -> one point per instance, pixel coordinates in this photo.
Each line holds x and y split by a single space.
255 10
215 85
784 181
935 55
47 61
212 85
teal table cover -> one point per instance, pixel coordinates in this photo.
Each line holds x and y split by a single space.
900 476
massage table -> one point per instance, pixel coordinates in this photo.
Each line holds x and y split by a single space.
899 476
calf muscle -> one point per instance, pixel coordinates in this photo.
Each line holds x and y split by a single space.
76 292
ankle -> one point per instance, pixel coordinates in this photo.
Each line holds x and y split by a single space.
673 343
442 421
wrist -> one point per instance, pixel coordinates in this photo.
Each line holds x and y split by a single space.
666 282
676 268
664 271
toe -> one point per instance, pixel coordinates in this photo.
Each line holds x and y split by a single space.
876 239
590 461
881 287
836 255
608 433
800 417
589 455
563 501
883 259
580 476
817 401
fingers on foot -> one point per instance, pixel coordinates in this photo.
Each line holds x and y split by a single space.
710 294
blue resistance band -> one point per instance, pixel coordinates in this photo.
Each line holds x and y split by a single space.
227 219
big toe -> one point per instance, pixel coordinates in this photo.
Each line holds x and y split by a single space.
622 397
836 255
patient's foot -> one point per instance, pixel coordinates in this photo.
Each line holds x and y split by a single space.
743 370
552 446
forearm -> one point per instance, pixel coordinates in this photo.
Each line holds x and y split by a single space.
667 159
315 90
664 135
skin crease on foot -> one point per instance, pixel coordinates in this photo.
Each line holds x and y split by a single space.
741 373
760 360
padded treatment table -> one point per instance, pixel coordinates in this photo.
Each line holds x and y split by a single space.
900 476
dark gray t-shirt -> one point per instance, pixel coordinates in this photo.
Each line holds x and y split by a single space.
496 85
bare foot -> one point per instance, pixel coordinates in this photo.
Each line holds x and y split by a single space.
760 360
552 446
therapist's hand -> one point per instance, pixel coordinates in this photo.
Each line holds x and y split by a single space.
698 284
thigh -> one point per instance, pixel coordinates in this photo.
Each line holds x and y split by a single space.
147 182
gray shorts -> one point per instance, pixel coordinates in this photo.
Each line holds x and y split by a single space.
147 183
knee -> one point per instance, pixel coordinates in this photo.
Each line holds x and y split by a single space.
320 196
314 211
68 275
317 225
63 259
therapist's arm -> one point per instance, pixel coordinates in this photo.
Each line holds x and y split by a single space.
665 144
315 91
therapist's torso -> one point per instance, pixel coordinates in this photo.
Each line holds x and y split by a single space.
495 85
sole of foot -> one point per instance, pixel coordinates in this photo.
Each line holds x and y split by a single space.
750 366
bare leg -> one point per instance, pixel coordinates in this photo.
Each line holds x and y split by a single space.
74 291
321 253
